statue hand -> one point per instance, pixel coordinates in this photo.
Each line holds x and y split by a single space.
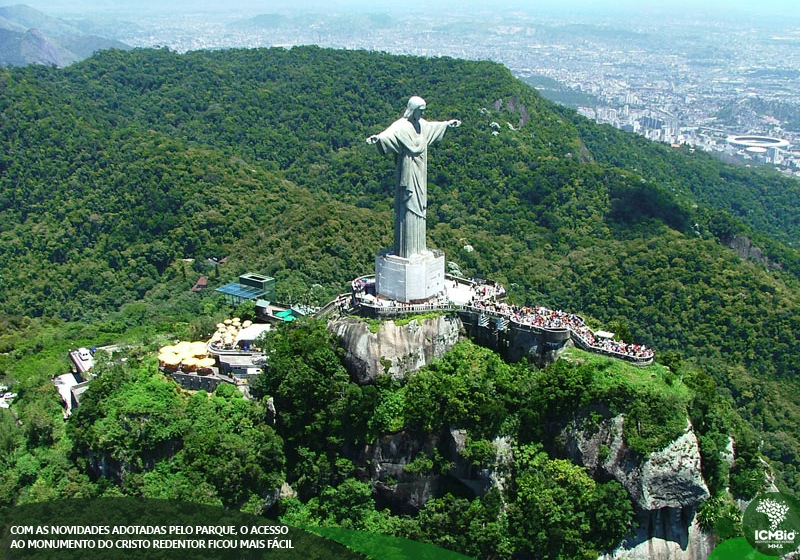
372 139
455 123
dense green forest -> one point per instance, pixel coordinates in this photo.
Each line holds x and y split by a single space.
121 175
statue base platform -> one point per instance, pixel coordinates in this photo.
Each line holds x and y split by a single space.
409 280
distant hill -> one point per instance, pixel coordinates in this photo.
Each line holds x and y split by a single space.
32 47
754 111
86 45
322 23
265 21
559 93
28 18
9 25
28 36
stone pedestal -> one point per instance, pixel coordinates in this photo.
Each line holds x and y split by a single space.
415 279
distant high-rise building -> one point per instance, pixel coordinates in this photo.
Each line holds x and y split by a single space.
652 123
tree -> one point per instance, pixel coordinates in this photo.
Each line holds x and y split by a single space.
230 447
557 511
306 377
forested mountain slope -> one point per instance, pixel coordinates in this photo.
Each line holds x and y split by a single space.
116 168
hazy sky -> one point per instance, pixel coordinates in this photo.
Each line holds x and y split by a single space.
721 7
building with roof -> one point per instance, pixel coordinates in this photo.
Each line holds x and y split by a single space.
761 148
201 284
249 287
755 141
280 313
70 387
82 359
245 339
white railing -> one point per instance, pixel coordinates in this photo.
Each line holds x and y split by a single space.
331 305
405 309
585 345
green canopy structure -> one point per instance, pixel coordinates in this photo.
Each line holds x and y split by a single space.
287 315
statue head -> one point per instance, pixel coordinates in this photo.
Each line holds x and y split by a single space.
414 103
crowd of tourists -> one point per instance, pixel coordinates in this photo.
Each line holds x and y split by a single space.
550 319
609 345
487 297
364 293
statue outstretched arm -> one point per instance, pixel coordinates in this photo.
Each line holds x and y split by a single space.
454 123
373 139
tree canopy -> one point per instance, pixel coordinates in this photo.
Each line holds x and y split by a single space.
123 175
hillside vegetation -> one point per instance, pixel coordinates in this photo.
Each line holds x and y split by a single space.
117 171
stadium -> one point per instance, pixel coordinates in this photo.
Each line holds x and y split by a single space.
751 141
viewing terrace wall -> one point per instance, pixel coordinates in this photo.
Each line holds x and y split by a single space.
499 331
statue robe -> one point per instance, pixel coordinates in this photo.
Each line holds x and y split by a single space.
410 149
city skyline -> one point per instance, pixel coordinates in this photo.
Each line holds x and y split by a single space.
682 79
722 8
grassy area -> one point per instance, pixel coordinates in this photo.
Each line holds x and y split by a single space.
419 317
655 378
375 324
653 398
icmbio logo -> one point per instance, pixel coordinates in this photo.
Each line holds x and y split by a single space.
771 524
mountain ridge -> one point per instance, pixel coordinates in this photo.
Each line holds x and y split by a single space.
118 167
28 36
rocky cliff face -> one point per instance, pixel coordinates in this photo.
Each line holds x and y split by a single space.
666 534
479 480
666 488
394 350
747 251
666 479
404 491
386 461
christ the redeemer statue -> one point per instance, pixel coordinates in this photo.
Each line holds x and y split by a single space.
408 139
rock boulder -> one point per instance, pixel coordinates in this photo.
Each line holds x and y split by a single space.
666 487
669 478
394 350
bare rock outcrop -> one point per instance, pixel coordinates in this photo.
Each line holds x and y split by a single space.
669 478
394 350
406 490
666 487
748 251
479 479
666 534
395 486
